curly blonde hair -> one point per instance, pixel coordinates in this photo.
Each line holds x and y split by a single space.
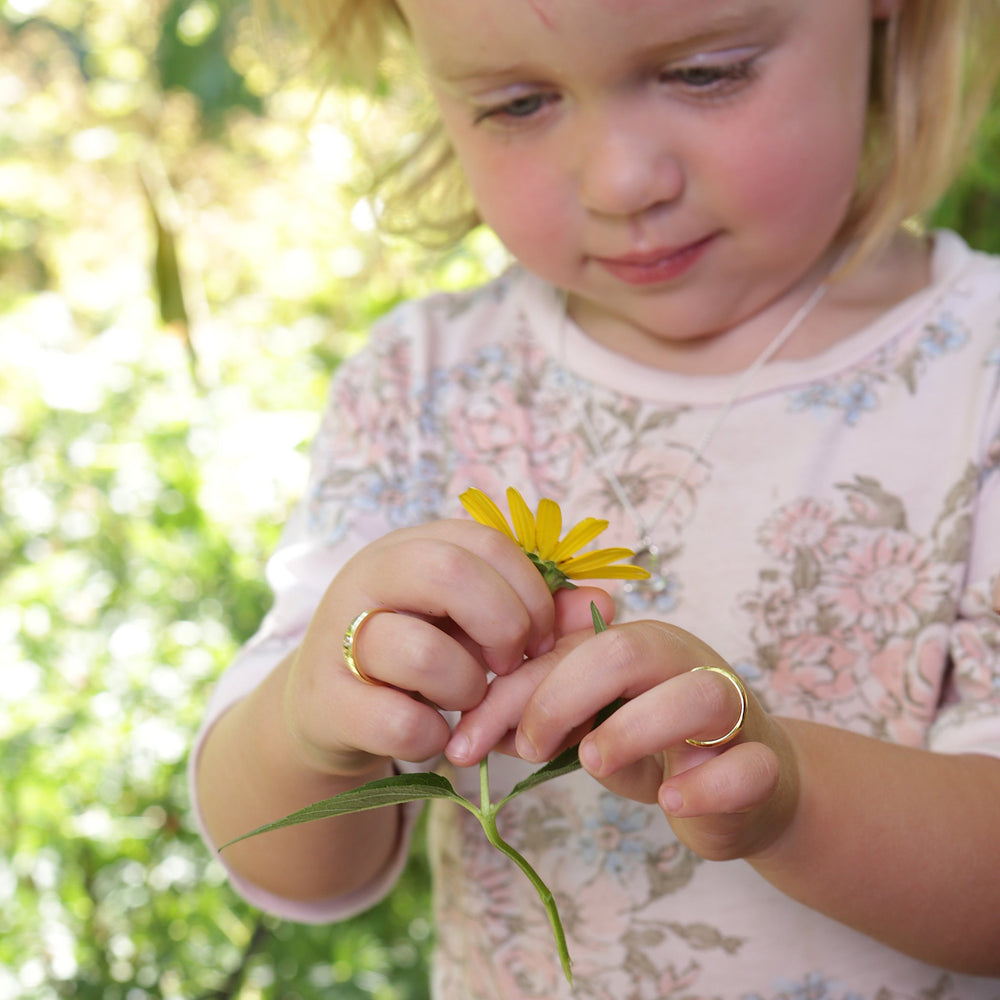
934 68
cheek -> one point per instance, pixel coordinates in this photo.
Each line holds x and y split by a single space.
525 207
803 178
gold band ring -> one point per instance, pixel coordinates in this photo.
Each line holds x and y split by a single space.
733 679
351 637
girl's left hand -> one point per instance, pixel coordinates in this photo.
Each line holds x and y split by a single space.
730 801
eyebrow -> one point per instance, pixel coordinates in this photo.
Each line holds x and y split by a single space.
732 17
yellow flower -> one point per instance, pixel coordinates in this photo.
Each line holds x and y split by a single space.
538 535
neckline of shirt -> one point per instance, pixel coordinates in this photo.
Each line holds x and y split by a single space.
578 353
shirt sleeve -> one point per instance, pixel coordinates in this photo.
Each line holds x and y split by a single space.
361 455
969 719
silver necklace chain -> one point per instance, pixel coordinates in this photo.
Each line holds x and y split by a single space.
648 552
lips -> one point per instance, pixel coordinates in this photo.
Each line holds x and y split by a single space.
653 267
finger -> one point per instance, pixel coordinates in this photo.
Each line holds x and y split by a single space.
662 717
491 725
573 609
623 662
384 722
412 654
742 778
341 723
487 726
468 573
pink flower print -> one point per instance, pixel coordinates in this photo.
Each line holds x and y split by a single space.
905 683
524 969
780 611
820 667
492 423
673 981
595 915
887 583
975 651
806 525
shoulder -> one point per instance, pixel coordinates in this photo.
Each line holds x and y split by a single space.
958 267
448 322
507 324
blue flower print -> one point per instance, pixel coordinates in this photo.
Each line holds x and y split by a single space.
814 987
941 337
607 840
854 398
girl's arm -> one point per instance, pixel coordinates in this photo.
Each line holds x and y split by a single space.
465 602
250 773
900 843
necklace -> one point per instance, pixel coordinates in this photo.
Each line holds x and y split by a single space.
649 555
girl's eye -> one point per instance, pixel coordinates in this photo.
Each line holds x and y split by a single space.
518 109
710 77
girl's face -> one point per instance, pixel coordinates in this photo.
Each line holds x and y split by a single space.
679 167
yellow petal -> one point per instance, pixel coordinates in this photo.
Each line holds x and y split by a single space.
522 519
593 560
548 524
482 509
622 571
586 531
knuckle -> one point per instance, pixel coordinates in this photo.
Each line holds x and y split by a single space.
714 695
496 546
413 732
423 652
447 563
625 650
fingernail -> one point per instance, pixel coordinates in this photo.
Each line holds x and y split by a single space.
458 749
590 756
525 748
671 800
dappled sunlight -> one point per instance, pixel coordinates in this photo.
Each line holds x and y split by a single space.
187 251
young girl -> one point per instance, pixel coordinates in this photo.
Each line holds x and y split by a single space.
721 339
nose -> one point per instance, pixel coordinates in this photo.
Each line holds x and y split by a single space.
625 165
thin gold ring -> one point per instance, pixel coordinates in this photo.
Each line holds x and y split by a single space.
733 679
351 637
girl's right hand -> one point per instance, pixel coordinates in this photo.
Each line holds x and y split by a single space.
467 602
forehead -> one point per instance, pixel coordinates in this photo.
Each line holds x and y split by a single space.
467 30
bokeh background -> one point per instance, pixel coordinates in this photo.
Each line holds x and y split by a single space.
186 254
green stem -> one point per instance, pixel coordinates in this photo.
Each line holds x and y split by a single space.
485 805
489 823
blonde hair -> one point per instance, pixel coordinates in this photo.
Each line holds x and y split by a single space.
934 67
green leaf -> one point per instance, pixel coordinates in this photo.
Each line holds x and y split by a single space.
392 791
600 625
565 763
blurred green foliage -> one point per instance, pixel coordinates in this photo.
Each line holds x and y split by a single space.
185 255
182 263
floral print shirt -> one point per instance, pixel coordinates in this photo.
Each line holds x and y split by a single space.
836 542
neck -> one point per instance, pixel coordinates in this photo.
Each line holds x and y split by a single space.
709 350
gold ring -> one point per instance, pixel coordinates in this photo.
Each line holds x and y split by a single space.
351 637
733 679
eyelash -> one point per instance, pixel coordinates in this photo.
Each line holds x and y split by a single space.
521 109
711 78
699 80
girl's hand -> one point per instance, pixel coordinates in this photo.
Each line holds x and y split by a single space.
729 801
466 603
